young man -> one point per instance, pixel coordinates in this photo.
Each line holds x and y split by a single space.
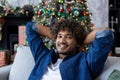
68 63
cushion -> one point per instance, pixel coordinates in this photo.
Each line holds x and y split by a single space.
111 64
4 72
115 75
23 64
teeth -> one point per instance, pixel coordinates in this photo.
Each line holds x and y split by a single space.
63 46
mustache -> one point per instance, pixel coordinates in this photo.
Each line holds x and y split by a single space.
63 43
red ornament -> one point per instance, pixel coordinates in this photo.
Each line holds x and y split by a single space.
61 10
69 10
40 13
83 12
92 25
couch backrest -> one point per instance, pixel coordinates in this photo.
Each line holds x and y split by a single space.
111 64
23 64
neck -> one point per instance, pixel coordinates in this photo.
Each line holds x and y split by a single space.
62 56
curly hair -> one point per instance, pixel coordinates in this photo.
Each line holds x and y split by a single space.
73 26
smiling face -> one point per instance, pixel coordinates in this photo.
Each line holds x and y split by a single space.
69 36
65 43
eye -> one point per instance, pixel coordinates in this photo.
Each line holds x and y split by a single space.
69 36
59 36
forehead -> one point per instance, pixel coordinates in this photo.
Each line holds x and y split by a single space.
65 32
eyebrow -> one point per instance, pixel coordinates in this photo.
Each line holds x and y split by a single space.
69 34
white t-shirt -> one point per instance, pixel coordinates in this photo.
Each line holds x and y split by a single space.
53 72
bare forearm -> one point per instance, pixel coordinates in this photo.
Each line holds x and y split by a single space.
44 31
91 36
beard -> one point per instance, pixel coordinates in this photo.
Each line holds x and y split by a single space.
67 52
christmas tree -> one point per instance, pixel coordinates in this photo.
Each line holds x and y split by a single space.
47 13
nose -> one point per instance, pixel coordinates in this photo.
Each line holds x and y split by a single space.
63 40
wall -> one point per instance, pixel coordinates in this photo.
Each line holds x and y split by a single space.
23 2
99 9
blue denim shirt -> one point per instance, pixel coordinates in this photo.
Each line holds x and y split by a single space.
82 66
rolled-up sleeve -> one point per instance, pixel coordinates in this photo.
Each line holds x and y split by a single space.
35 41
99 50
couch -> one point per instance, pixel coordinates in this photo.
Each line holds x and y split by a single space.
23 64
